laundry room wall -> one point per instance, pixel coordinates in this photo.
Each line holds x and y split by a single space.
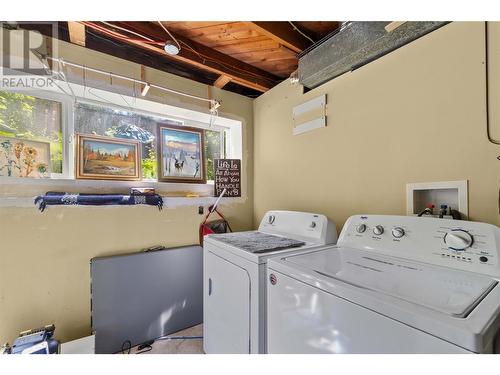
417 114
44 257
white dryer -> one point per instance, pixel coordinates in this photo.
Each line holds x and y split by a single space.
392 284
234 280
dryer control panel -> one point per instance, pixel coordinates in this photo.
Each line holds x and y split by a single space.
464 245
303 226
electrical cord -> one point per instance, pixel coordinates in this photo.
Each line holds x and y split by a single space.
129 346
128 31
488 133
170 35
148 348
300 32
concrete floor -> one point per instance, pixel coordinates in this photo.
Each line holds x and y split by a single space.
189 346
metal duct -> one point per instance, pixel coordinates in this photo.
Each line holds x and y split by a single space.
355 45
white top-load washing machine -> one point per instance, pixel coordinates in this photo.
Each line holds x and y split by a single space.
234 280
392 284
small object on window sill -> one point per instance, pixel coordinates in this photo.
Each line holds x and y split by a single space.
58 198
142 191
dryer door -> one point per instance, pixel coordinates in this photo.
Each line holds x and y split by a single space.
226 307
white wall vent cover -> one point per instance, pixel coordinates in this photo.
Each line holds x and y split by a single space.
309 115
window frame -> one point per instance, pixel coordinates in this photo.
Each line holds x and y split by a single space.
231 133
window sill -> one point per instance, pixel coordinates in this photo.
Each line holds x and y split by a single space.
111 186
20 192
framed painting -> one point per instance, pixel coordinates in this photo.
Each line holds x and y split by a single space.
24 158
181 154
106 158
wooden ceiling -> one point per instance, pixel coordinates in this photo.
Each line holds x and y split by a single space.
244 57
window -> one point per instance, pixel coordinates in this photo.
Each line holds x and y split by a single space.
121 123
47 121
34 119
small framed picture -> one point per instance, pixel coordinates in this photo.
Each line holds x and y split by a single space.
181 154
106 158
24 158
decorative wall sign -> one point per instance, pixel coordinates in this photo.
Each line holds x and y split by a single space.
228 176
106 158
24 158
181 154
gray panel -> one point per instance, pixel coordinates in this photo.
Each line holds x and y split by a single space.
142 296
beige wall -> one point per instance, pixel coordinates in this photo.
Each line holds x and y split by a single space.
414 115
44 261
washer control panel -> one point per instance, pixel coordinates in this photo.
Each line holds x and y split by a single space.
457 244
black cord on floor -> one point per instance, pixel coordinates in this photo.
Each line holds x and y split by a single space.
148 349
129 346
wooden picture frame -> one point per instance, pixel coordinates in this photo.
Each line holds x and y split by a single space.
181 154
107 158
24 158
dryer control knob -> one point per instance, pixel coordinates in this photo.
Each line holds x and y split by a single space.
378 230
361 228
458 239
398 232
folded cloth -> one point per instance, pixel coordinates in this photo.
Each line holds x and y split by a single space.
57 198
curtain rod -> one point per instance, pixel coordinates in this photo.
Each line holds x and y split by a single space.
213 102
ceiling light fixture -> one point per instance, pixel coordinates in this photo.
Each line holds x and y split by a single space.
145 89
171 48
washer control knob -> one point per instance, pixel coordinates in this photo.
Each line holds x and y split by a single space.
361 228
313 224
458 239
398 232
378 230
271 219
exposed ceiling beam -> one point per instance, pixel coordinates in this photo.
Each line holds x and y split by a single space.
222 81
140 56
76 33
203 57
128 52
282 32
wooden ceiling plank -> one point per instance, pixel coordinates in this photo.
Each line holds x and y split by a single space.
231 42
283 33
222 81
193 25
76 33
245 47
213 39
205 58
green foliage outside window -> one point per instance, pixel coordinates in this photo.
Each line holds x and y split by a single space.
212 151
27 117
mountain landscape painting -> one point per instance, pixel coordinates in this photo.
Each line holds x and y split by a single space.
181 150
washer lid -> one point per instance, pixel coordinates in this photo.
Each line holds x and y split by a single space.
451 292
